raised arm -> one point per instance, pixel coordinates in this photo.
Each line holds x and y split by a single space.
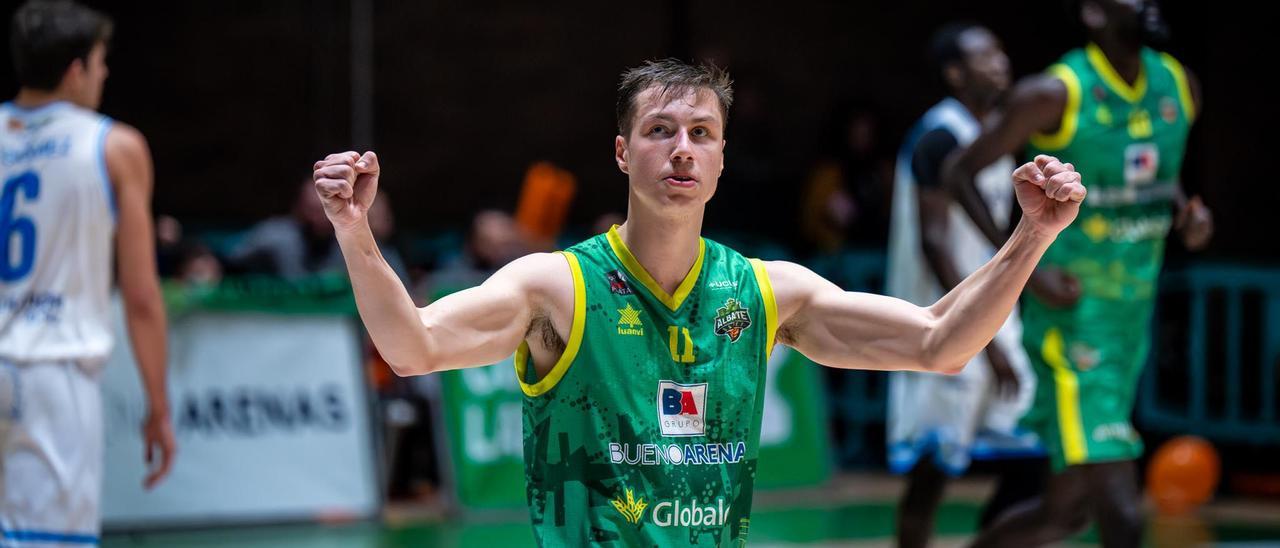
475 327
861 331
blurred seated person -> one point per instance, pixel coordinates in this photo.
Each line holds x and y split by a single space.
301 244
493 241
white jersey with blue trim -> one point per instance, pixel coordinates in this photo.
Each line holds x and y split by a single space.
953 418
57 226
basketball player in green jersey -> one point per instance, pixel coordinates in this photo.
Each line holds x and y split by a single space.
1121 112
641 352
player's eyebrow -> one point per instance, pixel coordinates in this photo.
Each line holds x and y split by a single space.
697 120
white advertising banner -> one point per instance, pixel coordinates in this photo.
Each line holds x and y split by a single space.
272 422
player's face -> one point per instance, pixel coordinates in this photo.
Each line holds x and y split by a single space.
675 152
1122 17
985 62
93 77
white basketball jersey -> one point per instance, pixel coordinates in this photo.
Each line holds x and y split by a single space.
952 416
909 276
57 224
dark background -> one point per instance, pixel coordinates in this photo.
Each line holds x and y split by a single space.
238 98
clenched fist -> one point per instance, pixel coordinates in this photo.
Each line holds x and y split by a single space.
1049 192
347 183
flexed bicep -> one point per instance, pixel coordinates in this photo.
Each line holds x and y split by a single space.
485 324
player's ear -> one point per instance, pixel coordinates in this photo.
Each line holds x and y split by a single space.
620 153
953 75
723 142
74 72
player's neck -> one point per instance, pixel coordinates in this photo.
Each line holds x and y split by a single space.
666 247
1124 55
977 106
34 98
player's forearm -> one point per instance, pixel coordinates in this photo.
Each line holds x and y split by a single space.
145 317
385 306
969 315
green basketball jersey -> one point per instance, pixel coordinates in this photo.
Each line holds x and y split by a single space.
1127 143
646 431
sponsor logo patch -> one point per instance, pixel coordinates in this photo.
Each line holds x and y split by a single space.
618 284
629 322
682 409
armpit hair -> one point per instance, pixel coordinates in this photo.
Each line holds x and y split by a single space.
541 327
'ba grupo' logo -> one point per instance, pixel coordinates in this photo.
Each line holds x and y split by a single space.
731 319
682 408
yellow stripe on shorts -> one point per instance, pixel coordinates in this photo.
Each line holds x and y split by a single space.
1075 450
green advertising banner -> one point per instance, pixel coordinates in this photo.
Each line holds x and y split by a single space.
482 418
483 421
794 448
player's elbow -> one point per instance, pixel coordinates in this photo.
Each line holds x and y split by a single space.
410 368
142 303
949 367
933 363
412 363
934 356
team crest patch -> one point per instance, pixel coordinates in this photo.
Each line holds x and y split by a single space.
1099 94
732 319
1168 110
618 283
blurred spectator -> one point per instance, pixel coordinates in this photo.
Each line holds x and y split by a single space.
301 244
291 246
493 241
382 223
846 197
606 221
197 265
168 241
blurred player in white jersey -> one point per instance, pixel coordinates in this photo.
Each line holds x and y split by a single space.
74 188
938 423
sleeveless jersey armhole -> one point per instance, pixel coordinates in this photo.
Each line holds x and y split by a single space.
561 367
1070 112
770 305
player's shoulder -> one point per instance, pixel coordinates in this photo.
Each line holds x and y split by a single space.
127 155
792 281
547 281
1043 89
787 272
539 272
794 286
124 138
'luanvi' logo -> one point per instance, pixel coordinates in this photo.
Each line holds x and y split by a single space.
731 319
632 509
629 321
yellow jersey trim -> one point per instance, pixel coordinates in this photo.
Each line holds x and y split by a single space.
1070 425
638 272
1184 89
770 304
1070 112
561 367
1112 79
